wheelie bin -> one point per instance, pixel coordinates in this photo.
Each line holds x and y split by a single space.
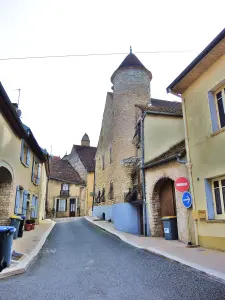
6 241
15 221
170 227
21 226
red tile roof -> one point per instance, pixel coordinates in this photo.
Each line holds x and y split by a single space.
62 170
163 107
175 151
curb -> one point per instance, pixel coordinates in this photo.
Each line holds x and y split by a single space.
22 266
209 272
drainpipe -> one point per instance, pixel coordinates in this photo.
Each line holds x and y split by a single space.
143 175
188 164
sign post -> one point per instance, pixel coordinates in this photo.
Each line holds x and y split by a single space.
182 184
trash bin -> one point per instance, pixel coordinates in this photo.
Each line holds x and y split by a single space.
15 221
6 241
170 227
20 232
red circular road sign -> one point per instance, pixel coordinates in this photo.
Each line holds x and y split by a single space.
182 184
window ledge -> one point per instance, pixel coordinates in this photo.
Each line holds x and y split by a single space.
218 131
25 165
215 221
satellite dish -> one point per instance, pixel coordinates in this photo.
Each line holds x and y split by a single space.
19 113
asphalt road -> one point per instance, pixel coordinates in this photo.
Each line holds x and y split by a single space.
80 261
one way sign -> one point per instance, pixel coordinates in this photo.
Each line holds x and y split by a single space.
187 199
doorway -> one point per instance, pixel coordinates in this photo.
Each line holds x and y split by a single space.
72 207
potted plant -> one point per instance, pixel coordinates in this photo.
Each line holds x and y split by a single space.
28 225
33 223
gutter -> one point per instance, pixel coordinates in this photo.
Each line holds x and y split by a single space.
172 157
164 113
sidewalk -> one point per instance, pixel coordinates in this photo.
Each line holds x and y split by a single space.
211 262
29 245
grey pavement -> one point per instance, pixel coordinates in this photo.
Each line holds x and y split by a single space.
80 261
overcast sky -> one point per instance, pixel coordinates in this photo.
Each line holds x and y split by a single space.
62 98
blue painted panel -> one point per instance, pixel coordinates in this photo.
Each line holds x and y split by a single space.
126 218
106 209
209 200
212 106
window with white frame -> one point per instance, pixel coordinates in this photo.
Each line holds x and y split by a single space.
65 186
61 205
218 187
220 106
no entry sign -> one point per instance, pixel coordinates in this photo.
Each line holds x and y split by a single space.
182 184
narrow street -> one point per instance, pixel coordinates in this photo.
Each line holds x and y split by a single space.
80 261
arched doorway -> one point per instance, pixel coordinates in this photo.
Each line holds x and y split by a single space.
6 193
163 203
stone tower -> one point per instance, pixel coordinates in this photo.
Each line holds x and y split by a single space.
131 86
85 140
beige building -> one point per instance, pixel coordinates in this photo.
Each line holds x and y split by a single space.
23 166
202 89
113 179
65 186
82 158
164 162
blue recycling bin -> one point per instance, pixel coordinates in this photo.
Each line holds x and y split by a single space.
15 222
6 241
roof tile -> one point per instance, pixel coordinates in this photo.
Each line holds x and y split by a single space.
87 156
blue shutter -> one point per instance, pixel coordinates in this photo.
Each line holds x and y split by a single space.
209 200
36 207
39 174
32 176
212 106
21 151
24 207
17 200
33 205
28 157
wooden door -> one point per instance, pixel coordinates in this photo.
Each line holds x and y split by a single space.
167 201
72 207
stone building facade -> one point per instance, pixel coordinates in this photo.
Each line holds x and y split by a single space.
131 86
82 159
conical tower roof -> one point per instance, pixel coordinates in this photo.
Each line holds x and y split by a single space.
85 137
131 61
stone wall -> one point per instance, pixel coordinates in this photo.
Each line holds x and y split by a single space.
130 86
75 161
6 200
185 222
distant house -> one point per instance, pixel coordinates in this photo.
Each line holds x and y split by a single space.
202 89
23 166
64 189
82 158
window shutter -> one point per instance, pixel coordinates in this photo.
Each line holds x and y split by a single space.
24 207
33 205
209 200
212 106
39 174
36 207
32 177
21 151
28 157
17 200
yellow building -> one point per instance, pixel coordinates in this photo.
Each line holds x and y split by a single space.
23 166
164 161
202 87
65 188
82 158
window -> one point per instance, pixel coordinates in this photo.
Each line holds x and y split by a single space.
111 193
61 205
65 187
36 172
103 162
103 195
218 186
220 106
110 154
25 154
